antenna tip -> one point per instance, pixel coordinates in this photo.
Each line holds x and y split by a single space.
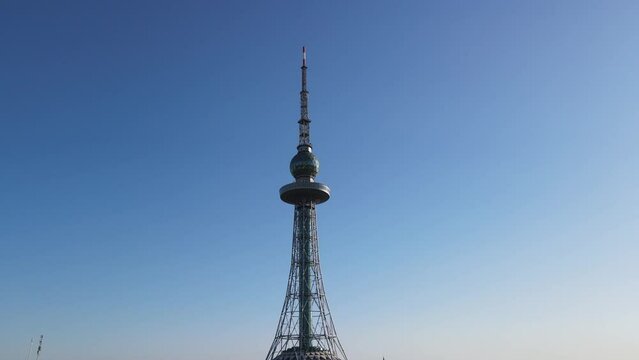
303 55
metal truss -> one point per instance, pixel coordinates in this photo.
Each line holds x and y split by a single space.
305 324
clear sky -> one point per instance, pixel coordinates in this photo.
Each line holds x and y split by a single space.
483 157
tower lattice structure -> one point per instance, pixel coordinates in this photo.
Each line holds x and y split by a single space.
305 330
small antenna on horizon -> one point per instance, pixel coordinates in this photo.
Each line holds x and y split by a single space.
39 347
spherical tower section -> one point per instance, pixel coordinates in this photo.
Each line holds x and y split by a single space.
304 164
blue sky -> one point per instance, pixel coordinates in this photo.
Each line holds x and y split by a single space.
483 158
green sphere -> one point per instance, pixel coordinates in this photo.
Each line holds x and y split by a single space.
304 164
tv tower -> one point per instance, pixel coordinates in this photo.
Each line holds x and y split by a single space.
305 330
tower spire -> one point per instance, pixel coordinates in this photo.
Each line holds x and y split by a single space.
305 136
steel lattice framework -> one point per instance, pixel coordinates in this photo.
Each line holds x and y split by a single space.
305 330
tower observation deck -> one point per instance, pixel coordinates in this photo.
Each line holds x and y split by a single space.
305 330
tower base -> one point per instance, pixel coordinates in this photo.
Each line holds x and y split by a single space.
312 354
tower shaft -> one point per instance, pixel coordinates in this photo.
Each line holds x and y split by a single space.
303 214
